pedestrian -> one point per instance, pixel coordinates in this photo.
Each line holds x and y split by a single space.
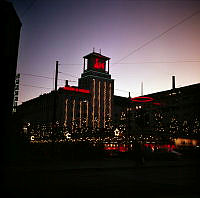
138 154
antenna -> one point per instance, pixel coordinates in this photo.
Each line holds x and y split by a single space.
93 49
100 50
173 82
142 88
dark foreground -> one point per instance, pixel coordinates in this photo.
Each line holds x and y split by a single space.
104 178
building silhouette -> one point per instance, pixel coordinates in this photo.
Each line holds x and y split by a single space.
92 106
10 35
174 112
89 105
10 43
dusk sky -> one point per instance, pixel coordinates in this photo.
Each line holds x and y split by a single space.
147 41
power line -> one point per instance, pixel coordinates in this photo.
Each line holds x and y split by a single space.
34 75
68 74
159 62
41 76
123 90
25 85
160 35
70 64
28 8
145 62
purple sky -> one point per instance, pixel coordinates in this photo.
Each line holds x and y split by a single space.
67 30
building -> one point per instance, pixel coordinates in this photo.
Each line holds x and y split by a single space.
98 80
92 107
10 28
10 35
174 112
89 105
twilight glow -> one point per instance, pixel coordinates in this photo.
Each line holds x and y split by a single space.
164 36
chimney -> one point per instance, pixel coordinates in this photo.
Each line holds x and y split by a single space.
66 83
173 82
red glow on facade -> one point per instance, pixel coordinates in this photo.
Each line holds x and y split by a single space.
98 65
76 89
157 103
120 148
142 99
168 147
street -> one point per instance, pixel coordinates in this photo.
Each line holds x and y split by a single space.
162 181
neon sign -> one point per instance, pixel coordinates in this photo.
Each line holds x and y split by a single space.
76 89
99 65
142 99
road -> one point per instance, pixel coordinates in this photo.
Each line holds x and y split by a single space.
174 181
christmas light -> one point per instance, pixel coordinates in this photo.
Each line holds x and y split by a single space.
93 104
104 103
99 109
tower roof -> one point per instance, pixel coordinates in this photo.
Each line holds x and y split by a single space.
95 54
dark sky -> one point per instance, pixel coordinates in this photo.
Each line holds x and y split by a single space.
147 41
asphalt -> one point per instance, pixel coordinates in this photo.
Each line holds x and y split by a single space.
107 163
109 177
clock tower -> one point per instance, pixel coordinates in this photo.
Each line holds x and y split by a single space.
96 78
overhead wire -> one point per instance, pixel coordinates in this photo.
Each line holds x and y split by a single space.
70 64
28 8
159 35
26 85
160 62
68 74
41 76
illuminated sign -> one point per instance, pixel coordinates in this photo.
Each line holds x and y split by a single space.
98 64
142 99
76 89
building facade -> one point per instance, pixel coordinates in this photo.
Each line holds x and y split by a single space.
96 79
10 29
92 106
89 105
175 112
10 36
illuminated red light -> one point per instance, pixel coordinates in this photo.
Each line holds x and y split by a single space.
165 146
76 89
123 149
142 99
157 103
116 148
98 65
